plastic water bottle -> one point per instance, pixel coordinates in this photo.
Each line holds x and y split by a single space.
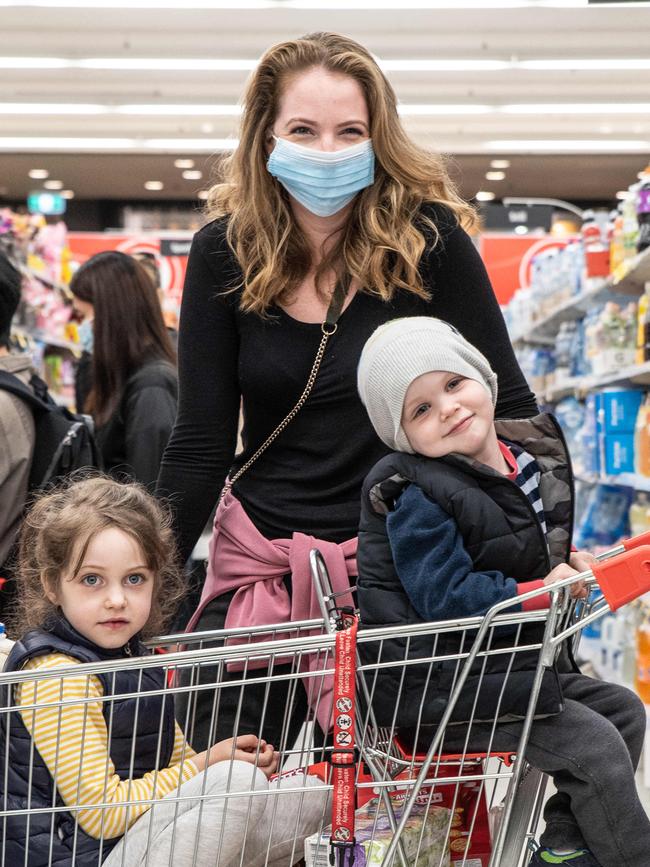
5 646
643 214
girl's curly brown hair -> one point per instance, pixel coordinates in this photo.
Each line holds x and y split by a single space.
57 531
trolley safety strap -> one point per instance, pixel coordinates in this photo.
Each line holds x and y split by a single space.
343 753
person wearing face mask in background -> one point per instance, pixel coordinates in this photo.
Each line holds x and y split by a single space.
329 222
127 376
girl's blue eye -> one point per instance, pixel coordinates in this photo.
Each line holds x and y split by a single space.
421 409
135 579
90 580
454 382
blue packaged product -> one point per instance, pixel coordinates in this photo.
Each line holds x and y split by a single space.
617 453
605 521
570 414
592 402
619 408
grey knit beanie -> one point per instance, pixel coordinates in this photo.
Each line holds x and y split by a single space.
400 351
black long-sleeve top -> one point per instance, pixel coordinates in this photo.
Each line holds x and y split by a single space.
133 439
310 479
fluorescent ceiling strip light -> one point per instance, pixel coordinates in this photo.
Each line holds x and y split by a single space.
206 110
294 4
404 109
181 145
374 5
423 110
577 108
560 146
190 144
592 65
216 110
142 4
451 65
208 64
178 64
52 108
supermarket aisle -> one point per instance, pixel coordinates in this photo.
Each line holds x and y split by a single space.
582 332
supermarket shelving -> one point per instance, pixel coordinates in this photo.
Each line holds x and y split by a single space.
628 279
638 374
626 480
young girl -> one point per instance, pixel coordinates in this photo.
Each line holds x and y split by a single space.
96 575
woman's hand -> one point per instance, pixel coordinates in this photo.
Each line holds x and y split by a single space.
245 748
564 570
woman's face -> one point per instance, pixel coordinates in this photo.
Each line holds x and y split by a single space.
323 110
84 309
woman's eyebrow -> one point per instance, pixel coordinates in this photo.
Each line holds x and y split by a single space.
301 120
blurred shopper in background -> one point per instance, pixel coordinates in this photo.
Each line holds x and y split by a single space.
329 220
134 387
151 266
17 435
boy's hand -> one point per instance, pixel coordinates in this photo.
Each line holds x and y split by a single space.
582 560
577 590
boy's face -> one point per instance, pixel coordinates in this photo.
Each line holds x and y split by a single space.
445 412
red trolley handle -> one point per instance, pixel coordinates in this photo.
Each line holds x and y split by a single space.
636 541
625 576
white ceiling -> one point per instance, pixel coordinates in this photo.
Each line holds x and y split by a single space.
513 35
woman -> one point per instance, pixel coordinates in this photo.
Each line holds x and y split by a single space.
134 382
324 186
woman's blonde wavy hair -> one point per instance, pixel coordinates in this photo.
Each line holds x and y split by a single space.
385 235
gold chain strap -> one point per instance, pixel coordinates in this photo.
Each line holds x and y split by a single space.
328 330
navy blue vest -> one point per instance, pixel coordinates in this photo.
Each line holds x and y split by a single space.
500 530
148 722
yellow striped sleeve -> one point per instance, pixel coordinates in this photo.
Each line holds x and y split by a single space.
73 742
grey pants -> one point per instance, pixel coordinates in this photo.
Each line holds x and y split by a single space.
266 829
591 750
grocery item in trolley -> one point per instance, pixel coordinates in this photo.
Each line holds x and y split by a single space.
424 836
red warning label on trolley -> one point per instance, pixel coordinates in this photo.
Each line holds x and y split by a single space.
343 757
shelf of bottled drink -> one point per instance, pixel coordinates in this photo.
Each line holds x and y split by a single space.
637 374
625 480
628 279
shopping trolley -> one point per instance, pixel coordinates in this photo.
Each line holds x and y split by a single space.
512 815
413 808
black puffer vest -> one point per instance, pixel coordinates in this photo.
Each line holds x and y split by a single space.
149 721
501 532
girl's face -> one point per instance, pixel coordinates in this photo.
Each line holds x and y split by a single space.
323 110
108 599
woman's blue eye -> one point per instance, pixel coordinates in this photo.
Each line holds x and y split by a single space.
90 580
353 130
301 130
135 579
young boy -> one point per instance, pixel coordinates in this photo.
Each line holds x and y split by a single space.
468 512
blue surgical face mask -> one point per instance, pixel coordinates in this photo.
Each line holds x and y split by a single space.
322 181
87 335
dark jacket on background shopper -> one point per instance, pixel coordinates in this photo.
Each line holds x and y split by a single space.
16 451
133 440
485 523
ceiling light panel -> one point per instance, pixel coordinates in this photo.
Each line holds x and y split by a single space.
373 5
